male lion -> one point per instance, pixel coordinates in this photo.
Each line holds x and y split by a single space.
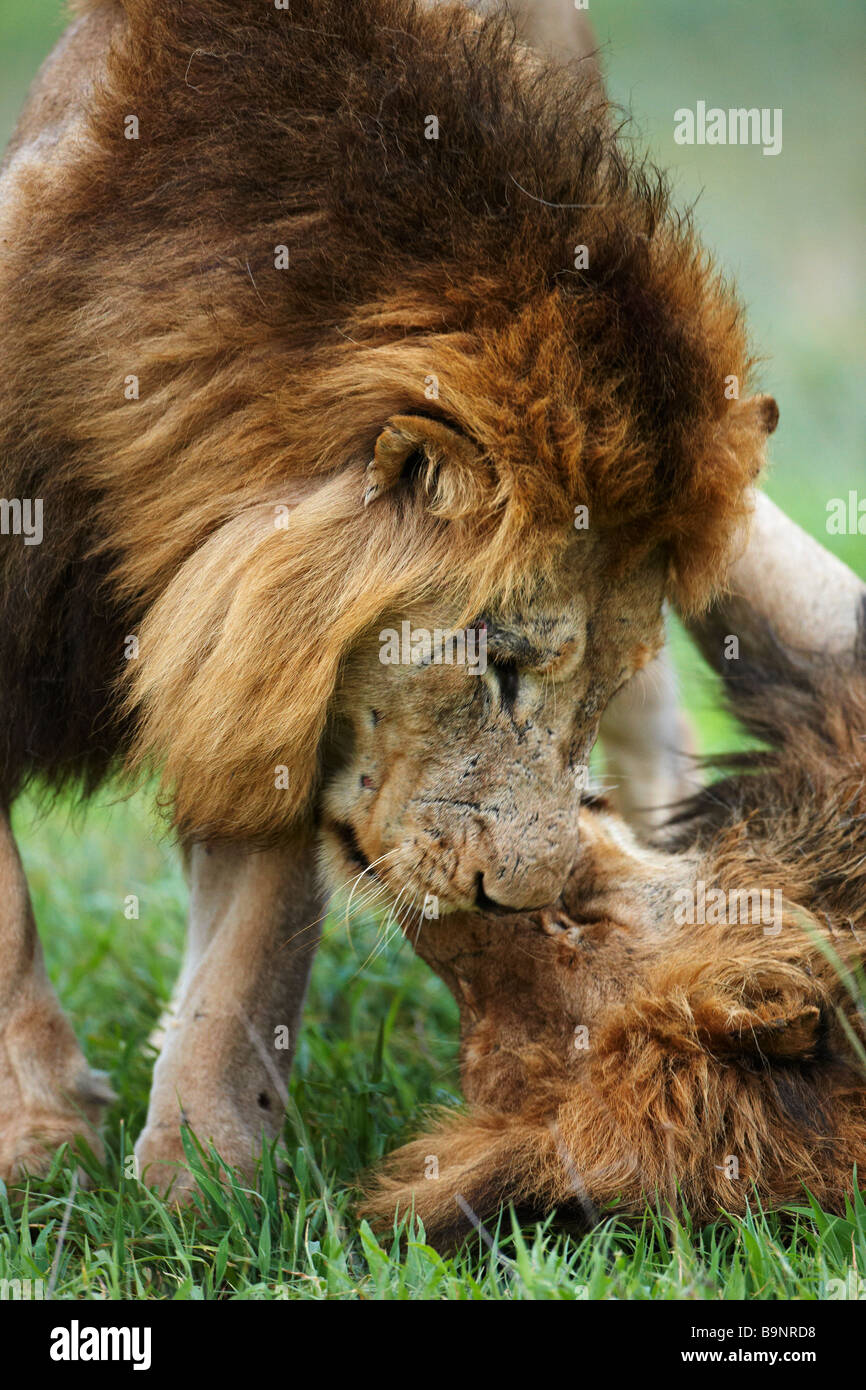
686 1023
315 321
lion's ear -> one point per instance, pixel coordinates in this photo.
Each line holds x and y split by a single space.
766 410
788 1031
413 450
758 415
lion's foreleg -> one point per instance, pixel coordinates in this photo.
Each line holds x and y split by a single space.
231 1033
48 1094
648 746
785 579
782 580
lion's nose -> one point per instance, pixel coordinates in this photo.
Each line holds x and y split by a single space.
516 863
494 893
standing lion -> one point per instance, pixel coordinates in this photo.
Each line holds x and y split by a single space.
317 321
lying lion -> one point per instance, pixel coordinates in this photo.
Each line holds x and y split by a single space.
685 1024
315 321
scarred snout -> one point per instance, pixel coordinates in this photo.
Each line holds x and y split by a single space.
496 857
524 875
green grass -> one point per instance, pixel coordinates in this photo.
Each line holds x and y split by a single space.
295 1238
379 1042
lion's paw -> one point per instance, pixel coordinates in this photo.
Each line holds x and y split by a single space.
161 1162
30 1140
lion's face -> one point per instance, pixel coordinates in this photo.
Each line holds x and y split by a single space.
461 790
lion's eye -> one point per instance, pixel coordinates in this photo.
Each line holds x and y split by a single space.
508 679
